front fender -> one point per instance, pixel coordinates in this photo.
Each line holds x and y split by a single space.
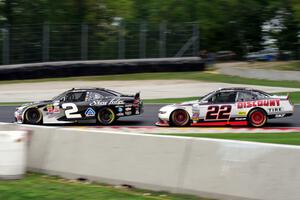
166 111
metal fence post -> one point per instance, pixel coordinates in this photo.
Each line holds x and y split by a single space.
5 47
162 39
46 30
197 38
142 44
84 41
121 44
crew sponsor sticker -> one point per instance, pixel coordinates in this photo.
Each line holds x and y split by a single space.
259 103
196 116
120 114
90 112
242 113
275 109
116 102
98 103
52 108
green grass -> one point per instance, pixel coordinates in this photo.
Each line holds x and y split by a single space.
12 103
37 187
197 76
277 138
294 96
277 65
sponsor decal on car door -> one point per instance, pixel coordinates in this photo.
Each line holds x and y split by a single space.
220 106
218 112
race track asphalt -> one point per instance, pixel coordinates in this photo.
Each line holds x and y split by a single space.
149 117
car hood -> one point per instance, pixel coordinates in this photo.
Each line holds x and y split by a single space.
187 103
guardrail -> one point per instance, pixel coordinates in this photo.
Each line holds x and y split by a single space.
99 67
212 168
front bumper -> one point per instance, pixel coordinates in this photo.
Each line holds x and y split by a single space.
18 117
162 123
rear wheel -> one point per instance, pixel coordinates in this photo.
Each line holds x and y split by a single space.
179 118
106 116
257 118
33 116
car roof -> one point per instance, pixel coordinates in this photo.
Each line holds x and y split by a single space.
236 89
86 89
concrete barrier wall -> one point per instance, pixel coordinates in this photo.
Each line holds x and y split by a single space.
99 67
206 167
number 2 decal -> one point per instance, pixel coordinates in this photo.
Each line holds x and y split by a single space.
70 112
218 112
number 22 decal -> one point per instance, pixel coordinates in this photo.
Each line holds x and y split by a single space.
218 112
70 112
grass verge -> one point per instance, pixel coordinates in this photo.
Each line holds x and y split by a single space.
276 138
37 186
197 76
12 103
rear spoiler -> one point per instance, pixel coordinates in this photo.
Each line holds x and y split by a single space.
137 95
282 97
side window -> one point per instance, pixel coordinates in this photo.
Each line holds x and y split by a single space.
75 97
223 97
246 96
260 95
91 96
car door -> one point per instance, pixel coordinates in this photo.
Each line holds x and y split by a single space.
242 97
74 105
219 106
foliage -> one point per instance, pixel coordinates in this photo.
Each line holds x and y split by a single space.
224 25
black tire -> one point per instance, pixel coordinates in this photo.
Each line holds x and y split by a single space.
106 116
257 118
33 116
179 118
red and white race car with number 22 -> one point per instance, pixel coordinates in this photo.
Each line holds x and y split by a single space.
228 106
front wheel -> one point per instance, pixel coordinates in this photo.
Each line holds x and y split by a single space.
106 116
257 118
179 118
33 116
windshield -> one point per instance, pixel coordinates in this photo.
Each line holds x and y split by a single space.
56 98
205 97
